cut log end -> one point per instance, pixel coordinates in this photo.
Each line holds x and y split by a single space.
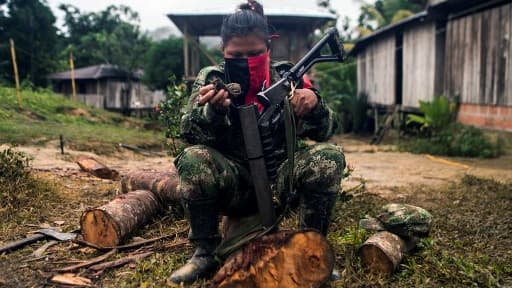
99 228
284 259
106 226
382 252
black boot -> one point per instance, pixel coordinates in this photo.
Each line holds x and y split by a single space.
203 216
315 212
316 209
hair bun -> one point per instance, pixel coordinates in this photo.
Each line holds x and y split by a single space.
252 6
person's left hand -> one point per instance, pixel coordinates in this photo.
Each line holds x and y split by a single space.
304 101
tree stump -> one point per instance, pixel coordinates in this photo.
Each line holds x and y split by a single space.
383 252
284 259
106 226
162 184
96 168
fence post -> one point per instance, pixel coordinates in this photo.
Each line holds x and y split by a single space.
72 67
16 76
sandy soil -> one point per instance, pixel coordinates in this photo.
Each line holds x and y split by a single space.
381 168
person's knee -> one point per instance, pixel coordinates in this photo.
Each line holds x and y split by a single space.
323 167
196 167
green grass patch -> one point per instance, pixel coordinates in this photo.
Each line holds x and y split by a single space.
46 115
468 246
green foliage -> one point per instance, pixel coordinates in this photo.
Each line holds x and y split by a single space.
438 114
171 110
442 136
386 12
110 36
31 24
338 84
20 189
162 61
456 140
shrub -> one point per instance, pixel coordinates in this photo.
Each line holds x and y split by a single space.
20 189
437 115
171 110
456 140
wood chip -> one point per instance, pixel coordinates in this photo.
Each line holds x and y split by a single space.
71 279
41 250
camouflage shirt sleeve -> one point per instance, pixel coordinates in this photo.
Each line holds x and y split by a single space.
319 125
201 124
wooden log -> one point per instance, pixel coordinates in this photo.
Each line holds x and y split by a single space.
162 184
383 252
108 225
284 259
96 168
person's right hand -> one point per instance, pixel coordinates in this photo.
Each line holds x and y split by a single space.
219 100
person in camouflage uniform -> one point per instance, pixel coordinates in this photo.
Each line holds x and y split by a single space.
214 175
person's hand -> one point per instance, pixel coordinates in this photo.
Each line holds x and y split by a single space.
219 100
303 101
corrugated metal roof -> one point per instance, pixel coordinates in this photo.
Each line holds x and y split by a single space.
95 72
204 18
272 8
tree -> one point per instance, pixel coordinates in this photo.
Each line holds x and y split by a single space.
163 60
110 36
385 12
30 23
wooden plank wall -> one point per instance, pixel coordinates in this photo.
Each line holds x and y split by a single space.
376 71
478 64
419 64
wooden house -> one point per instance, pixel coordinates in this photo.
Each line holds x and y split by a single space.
293 25
455 48
108 87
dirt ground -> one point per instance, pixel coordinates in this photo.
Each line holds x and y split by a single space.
387 175
381 168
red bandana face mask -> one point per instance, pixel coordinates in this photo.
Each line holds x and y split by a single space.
253 75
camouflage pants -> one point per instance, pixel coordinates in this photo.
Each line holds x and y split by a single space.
207 175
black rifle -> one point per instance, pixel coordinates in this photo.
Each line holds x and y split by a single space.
258 128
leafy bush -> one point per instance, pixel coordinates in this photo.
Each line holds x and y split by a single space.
437 115
171 110
456 140
338 85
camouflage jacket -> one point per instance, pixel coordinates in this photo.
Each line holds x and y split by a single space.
201 124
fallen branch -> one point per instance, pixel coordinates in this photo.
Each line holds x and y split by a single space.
87 263
131 245
120 262
96 168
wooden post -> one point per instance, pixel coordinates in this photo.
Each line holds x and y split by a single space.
16 75
186 52
72 67
376 114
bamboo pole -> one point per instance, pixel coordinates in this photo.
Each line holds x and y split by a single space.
72 67
16 75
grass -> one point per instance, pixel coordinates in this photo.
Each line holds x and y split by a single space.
46 115
468 246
